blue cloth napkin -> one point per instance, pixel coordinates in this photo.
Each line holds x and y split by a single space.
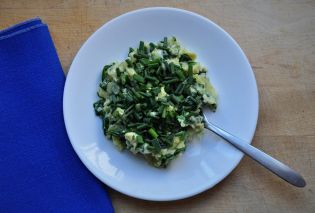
39 170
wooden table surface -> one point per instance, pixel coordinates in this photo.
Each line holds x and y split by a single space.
278 37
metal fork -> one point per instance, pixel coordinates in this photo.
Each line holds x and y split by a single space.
270 163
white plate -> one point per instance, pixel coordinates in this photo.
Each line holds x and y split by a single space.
208 159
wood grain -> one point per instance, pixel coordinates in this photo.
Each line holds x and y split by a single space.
279 39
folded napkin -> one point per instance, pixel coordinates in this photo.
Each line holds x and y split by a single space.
39 170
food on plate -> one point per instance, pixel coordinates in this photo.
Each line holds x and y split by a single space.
151 103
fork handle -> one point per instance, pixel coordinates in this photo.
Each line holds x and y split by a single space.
275 166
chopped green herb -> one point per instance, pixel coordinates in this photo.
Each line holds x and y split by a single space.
150 101
153 133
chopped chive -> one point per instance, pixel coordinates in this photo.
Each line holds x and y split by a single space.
141 47
164 113
143 55
104 71
168 77
145 94
145 73
187 107
139 139
160 109
123 79
132 125
153 65
152 78
176 99
141 126
153 133
128 113
170 81
165 42
172 68
190 69
129 62
129 98
138 107
158 71
180 74
167 67
152 46
192 98
135 93
129 108
156 144
131 49
138 78
179 88
184 57
156 90
144 61
137 116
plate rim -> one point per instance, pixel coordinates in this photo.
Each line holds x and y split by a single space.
70 73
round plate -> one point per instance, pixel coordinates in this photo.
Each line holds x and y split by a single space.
208 159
